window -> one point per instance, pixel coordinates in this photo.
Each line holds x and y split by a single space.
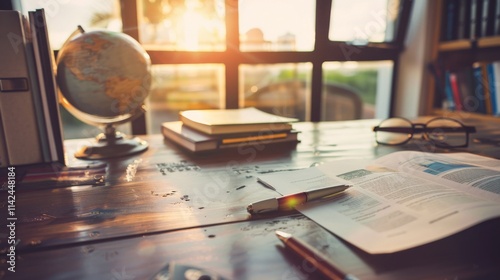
285 56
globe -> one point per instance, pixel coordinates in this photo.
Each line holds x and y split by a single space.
103 79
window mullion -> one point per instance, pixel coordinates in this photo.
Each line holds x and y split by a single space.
233 55
130 25
320 47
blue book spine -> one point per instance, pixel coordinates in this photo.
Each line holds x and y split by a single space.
492 84
478 92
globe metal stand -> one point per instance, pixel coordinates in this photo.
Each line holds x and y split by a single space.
112 144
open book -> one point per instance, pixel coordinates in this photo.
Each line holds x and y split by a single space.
401 200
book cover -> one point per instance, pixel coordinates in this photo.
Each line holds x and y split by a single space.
448 99
457 97
486 88
464 19
488 18
37 99
244 120
495 86
478 88
465 81
437 72
452 20
476 13
496 28
45 64
196 141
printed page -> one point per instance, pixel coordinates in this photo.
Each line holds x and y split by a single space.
387 211
467 172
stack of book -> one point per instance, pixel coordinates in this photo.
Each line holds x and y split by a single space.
210 130
30 123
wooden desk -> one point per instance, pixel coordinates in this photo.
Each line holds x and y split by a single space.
166 205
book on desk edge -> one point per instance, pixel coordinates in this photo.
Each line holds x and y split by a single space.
226 121
196 141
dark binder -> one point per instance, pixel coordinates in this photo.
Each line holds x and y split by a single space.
45 65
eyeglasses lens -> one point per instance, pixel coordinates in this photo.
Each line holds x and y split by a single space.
446 133
394 131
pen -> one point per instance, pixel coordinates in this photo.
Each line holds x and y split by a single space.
314 257
288 202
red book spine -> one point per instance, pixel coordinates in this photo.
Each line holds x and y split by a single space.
456 92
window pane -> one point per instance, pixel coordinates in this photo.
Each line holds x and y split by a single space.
273 25
369 81
281 89
63 17
183 87
364 21
190 25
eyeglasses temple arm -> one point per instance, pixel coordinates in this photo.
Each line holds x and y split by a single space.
394 129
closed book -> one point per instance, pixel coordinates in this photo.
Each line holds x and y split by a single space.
457 96
450 101
486 89
465 81
452 19
227 121
45 65
196 141
464 19
495 86
478 83
476 18
496 28
488 18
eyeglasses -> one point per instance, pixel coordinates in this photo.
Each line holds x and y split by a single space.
442 132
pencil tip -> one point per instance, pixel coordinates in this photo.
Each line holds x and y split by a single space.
282 235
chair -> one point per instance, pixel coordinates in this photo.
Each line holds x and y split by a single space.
287 98
341 102
280 98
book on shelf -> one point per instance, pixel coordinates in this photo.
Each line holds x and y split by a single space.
225 121
401 200
496 28
197 141
456 92
470 19
494 77
450 97
473 88
478 88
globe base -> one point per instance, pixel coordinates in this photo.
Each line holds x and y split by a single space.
111 146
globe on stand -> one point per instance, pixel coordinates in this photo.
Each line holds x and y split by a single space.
104 78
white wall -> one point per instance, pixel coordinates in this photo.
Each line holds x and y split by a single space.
412 79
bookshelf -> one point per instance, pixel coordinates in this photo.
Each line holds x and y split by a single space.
455 48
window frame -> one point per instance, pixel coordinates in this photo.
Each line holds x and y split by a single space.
324 50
